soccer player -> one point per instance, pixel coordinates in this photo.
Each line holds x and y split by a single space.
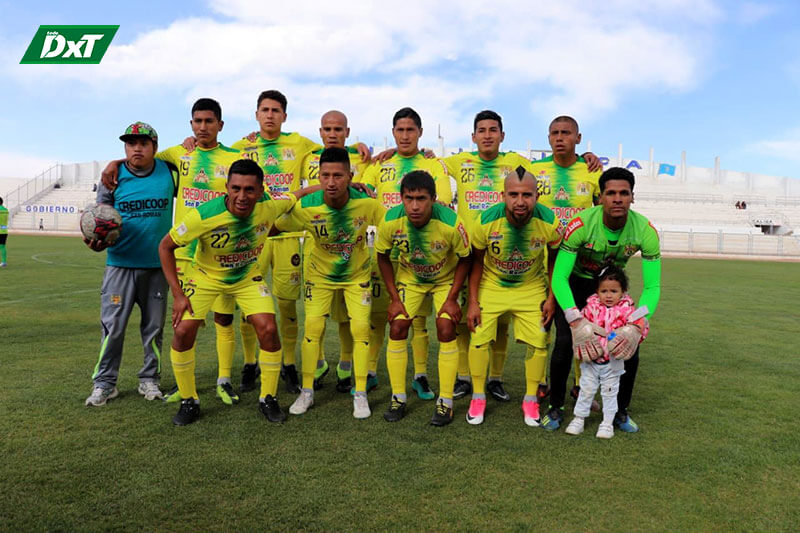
385 176
508 276
431 248
230 231
480 177
336 220
610 233
3 232
143 197
202 175
281 156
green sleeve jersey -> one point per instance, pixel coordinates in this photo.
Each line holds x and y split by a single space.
3 220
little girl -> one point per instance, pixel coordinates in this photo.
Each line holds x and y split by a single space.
610 308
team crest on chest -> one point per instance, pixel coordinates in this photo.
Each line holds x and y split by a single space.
201 177
516 255
562 194
242 244
261 229
583 188
417 254
271 160
536 243
437 246
630 249
288 154
221 171
358 222
342 235
486 181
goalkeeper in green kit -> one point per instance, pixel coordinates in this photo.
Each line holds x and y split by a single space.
609 233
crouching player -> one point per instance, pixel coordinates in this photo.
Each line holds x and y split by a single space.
231 231
508 276
336 219
432 250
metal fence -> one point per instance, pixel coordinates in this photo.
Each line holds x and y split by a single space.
721 243
33 189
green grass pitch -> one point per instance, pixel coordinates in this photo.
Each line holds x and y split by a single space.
718 384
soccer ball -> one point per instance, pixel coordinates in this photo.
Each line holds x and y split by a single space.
101 222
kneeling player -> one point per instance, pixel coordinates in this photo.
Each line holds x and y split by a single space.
432 250
231 231
508 276
336 219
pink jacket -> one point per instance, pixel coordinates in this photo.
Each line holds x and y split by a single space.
610 318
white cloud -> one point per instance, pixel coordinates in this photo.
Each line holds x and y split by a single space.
23 166
786 148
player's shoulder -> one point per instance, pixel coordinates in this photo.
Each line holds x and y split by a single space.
360 196
444 214
212 208
395 213
312 200
545 161
228 149
639 220
495 212
543 213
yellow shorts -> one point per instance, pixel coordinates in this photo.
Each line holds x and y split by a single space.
252 295
223 305
380 298
417 298
523 304
285 259
318 297
338 307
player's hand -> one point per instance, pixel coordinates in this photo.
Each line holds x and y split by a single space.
592 162
96 244
180 305
473 316
548 311
427 153
363 188
363 151
453 310
109 176
252 136
623 341
190 143
585 344
396 309
383 156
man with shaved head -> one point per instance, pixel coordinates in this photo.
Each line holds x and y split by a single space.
508 275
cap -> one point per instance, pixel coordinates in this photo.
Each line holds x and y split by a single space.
139 129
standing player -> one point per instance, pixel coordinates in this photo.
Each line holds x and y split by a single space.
143 198
385 176
567 186
508 276
336 220
431 248
3 232
231 231
202 175
607 234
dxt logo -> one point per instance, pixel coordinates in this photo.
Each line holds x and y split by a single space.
69 44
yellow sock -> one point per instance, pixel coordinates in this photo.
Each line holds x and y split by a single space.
497 361
226 345
287 327
397 364
183 368
270 371
478 361
463 350
249 342
419 345
535 369
345 342
309 350
448 367
377 333
360 332
577 366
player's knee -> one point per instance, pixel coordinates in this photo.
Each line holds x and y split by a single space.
398 330
445 330
223 320
360 330
185 334
314 328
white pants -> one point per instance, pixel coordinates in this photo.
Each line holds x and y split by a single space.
606 378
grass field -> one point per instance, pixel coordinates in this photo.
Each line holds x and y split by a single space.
716 400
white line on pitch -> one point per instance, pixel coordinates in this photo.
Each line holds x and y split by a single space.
38 259
4 302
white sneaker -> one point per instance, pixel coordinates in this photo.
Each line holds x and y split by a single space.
303 403
575 427
150 390
361 407
100 396
605 431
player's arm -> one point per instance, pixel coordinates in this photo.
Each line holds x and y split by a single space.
592 162
180 303
651 271
110 174
396 307
475 276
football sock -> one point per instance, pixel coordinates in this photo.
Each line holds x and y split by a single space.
270 363
226 344
535 369
497 360
287 326
448 367
345 342
309 350
577 366
419 345
183 368
377 332
478 361
360 331
397 364
463 351
2 253
249 342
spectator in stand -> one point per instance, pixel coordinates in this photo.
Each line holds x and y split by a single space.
738 205
744 204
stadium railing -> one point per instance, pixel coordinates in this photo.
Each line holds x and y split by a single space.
723 243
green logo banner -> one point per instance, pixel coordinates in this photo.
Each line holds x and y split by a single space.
69 44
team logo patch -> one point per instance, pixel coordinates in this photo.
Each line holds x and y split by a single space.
583 188
630 249
296 260
463 233
417 254
288 154
242 243
294 278
562 194
116 299
366 298
181 230
271 160
536 243
201 177
342 235
221 171
496 236
263 290
437 246
486 181
359 221
516 255
572 226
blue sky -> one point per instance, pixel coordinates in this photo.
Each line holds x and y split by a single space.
710 77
